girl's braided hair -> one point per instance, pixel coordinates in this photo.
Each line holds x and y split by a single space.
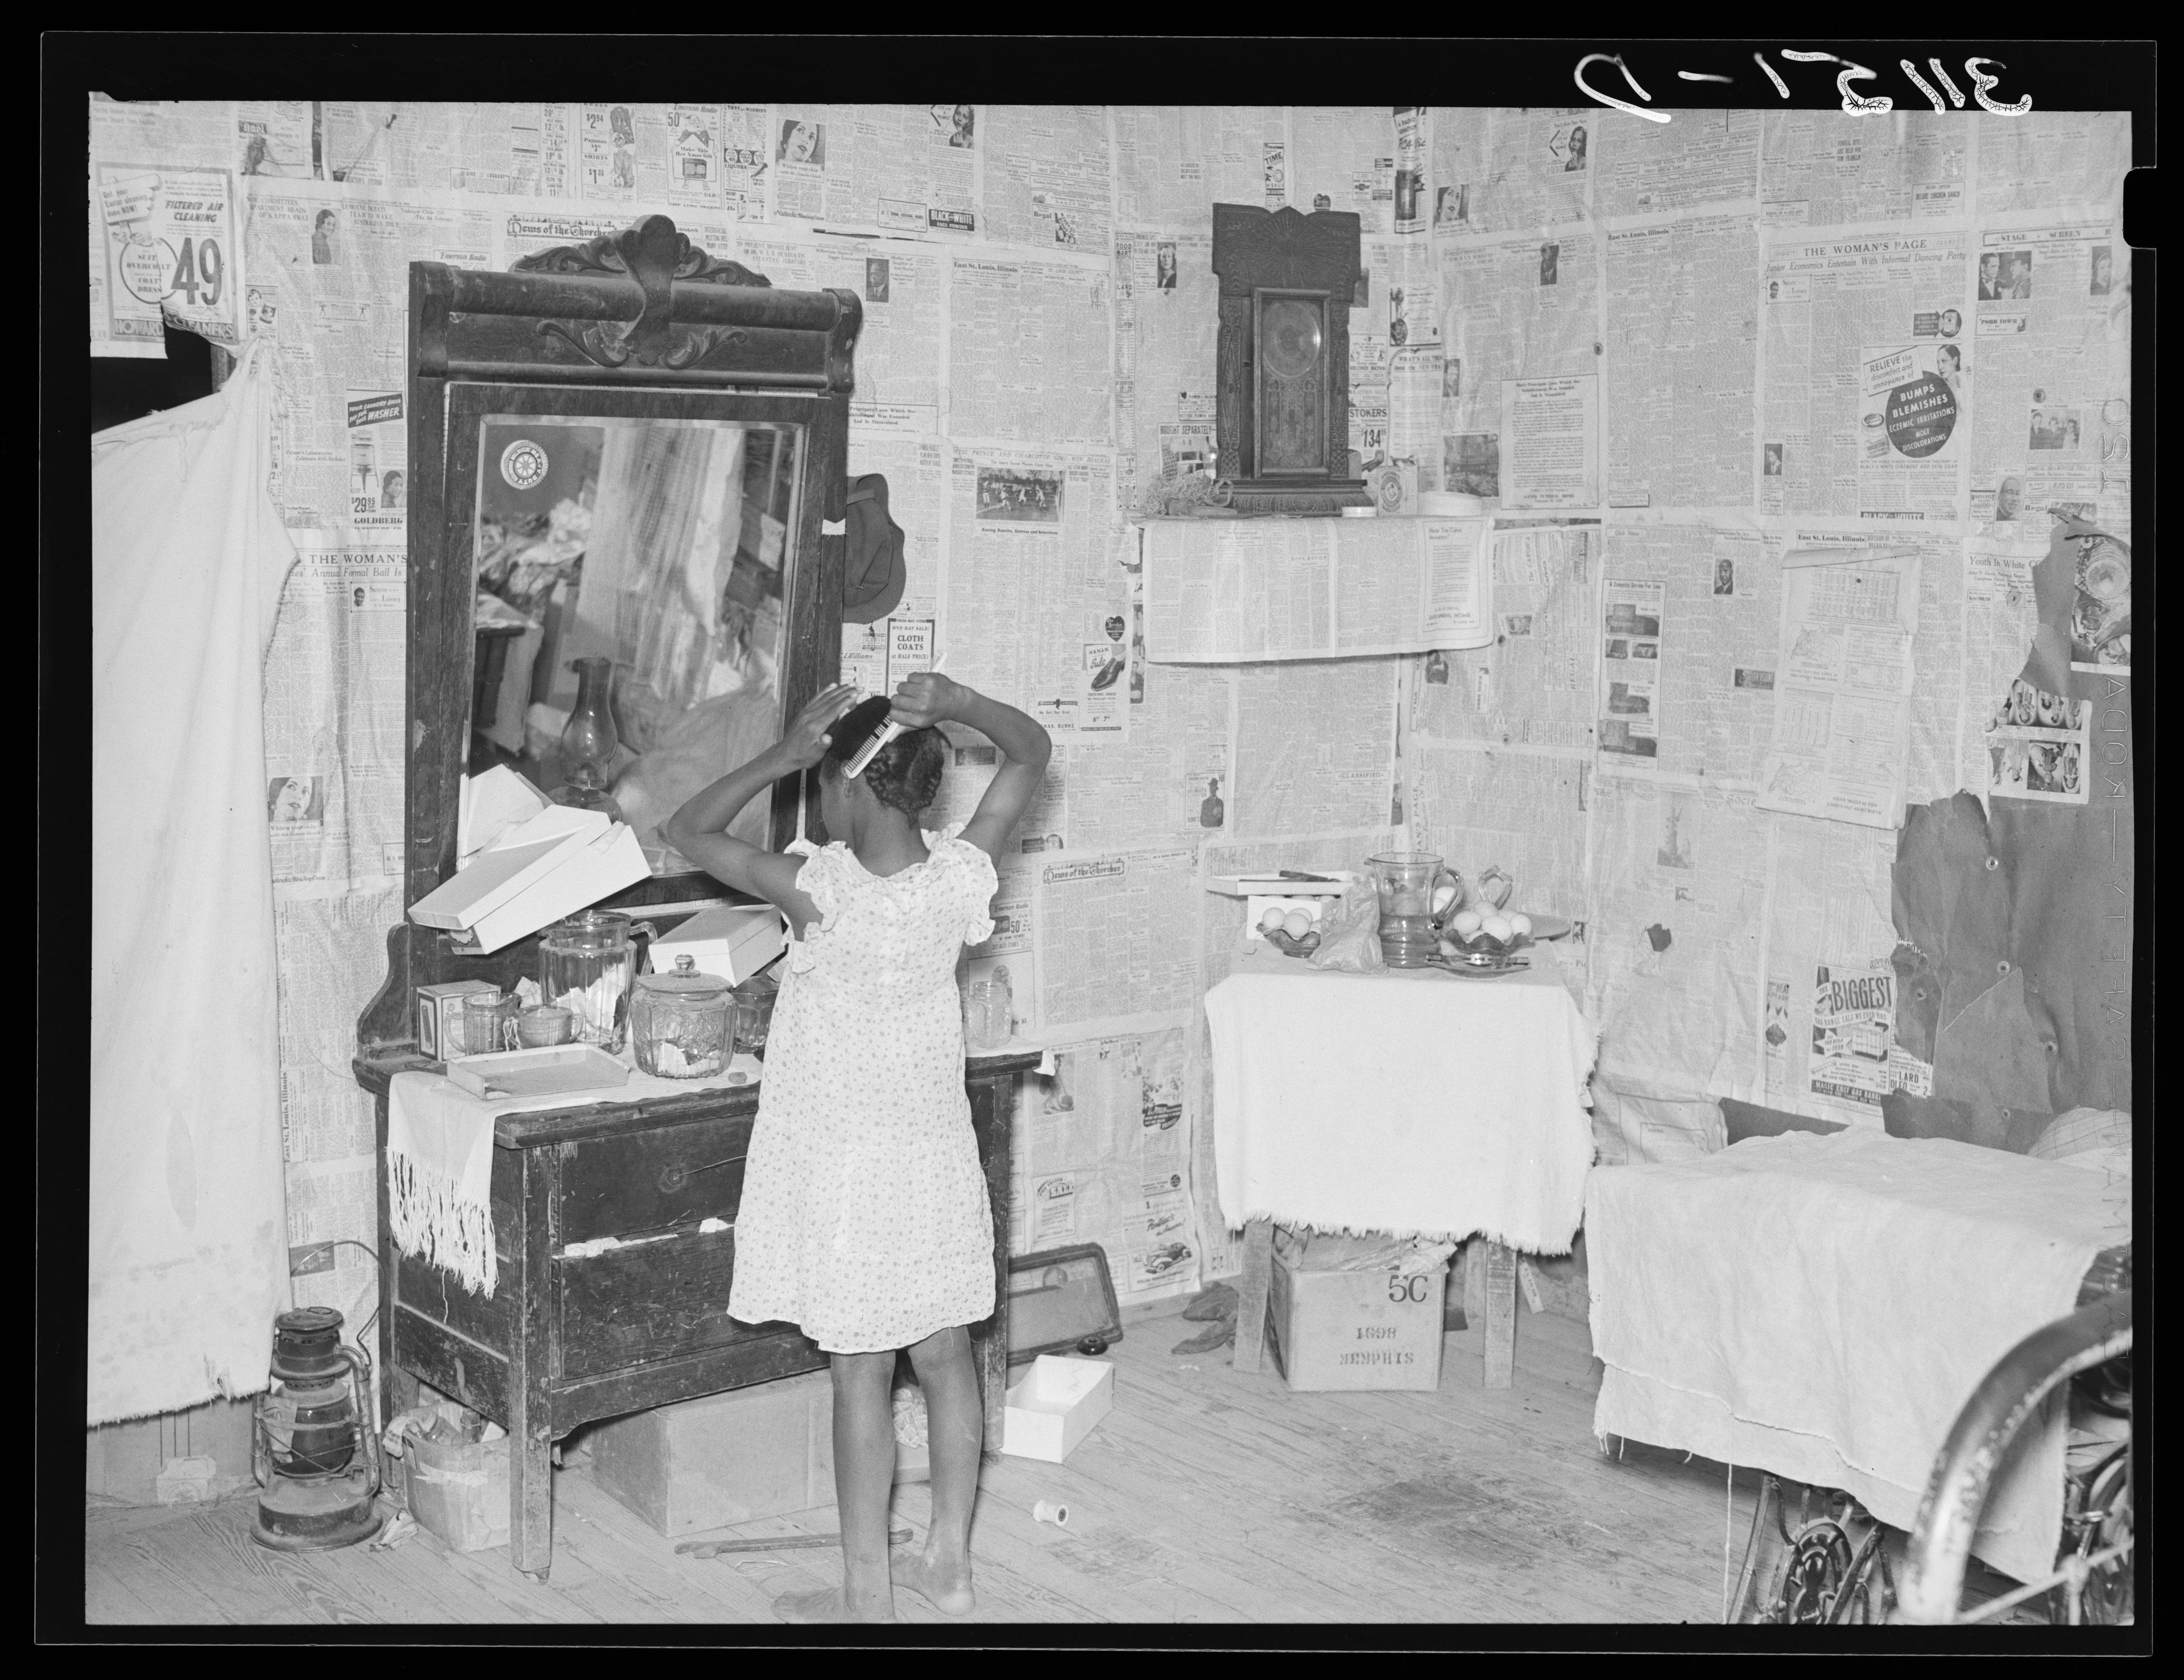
905 774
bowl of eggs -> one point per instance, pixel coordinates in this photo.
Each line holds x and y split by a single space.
1483 940
1290 929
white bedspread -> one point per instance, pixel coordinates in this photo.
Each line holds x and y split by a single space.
1822 1306
1415 1102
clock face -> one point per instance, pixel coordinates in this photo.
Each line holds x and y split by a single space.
1291 338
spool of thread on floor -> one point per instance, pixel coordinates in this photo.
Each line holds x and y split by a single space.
1046 1510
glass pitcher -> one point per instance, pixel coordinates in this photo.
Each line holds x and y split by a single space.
585 965
1408 883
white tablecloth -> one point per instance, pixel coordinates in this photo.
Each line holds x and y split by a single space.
1822 1306
1411 1101
439 1158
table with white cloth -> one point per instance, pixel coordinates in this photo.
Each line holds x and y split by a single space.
1412 1102
553 1260
1821 1307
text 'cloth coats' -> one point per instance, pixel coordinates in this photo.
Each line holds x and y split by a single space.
188 1252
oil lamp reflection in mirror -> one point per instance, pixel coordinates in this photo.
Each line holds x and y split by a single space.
588 741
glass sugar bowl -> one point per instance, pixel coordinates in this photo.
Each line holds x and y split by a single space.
679 1022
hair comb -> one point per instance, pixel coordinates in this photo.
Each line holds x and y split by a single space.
855 767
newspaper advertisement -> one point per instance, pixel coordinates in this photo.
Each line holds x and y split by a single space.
1167 325
1829 914
433 147
1702 158
1869 376
2051 428
1515 309
1221 590
1843 683
1820 169
1532 684
1035 613
171 254
335 760
897 169
1174 163
1046 175
1688 634
2000 617
2051 160
278 138
901 346
1104 1151
1680 412
1314 747
1677 901
1028 354
1170 783
1342 157
2038 747
1501 171
1106 951
876 657
1550 430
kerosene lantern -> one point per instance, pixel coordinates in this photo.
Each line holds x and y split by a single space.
313 1447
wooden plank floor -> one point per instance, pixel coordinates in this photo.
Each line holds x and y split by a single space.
1202 1496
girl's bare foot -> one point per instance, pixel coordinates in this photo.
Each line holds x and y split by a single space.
945 1588
826 1604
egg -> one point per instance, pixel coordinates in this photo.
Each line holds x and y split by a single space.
1444 896
1496 926
1521 925
1297 923
1466 922
1274 916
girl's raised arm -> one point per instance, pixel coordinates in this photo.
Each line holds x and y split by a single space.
927 697
697 830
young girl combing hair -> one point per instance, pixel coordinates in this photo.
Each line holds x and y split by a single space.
863 1218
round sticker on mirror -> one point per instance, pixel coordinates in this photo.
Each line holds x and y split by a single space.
523 463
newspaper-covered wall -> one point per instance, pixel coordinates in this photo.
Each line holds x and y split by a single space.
1657 351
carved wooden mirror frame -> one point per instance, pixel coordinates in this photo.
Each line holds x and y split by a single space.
637 323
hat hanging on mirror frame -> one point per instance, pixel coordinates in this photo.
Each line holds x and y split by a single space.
872 572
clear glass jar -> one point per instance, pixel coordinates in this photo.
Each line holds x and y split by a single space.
679 1022
584 966
755 999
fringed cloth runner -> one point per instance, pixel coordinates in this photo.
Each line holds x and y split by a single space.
439 1160
1414 1103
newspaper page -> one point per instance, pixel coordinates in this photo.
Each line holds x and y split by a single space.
1396 365
1525 812
2053 343
1505 171
1829 1045
745 157
1103 1155
1937 665
1687 638
140 148
902 346
972 763
1220 591
1518 310
331 1205
1869 376
1167 321
1680 404
335 761
1028 355
1106 954
1677 901
2001 616
451 144
331 951
1035 612
1342 157
896 169
1174 163
2053 160
1702 158
1046 175
1314 747
1170 783
1533 684
1843 682
1821 169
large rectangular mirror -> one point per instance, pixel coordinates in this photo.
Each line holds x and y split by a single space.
632 577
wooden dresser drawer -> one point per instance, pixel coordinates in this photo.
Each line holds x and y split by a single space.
653 1178
649 1301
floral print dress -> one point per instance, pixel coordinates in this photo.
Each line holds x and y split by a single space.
864 1219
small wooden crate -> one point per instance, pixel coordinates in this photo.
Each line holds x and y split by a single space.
761 1451
1345 1330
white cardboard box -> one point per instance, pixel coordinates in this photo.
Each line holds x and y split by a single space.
1053 1405
1348 1330
557 862
733 941
491 805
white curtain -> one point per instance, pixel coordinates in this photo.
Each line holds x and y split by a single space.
188 1260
